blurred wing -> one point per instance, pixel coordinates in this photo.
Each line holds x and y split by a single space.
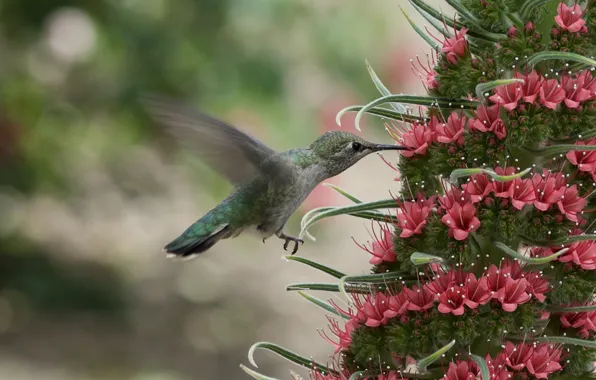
234 154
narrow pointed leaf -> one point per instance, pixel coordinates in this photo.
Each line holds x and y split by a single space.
529 5
377 216
584 136
571 309
470 19
561 148
420 32
484 372
325 305
425 362
359 375
459 173
326 287
559 242
379 278
529 260
321 267
388 203
380 112
418 100
398 107
561 56
420 258
343 192
254 374
288 355
433 22
565 340
482 89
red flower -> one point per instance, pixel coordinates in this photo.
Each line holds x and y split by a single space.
488 120
452 300
398 305
454 195
507 96
453 130
585 322
476 291
531 86
503 189
570 203
569 18
517 356
544 360
417 139
537 285
412 218
427 73
548 188
582 253
420 298
455 46
441 282
478 187
344 336
575 93
584 160
371 311
461 220
521 193
461 370
382 248
589 83
497 367
551 93
513 293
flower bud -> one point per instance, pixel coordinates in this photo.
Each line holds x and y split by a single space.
555 32
529 27
512 32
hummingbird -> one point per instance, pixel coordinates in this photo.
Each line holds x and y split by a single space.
268 185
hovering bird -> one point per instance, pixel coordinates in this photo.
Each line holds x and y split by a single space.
269 185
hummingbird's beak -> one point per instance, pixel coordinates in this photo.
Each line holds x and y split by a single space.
380 147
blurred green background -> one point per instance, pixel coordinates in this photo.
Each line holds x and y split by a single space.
90 190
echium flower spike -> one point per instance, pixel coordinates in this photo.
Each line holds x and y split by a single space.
488 246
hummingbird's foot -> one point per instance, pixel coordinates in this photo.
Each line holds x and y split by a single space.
288 239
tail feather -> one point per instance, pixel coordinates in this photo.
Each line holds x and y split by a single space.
189 244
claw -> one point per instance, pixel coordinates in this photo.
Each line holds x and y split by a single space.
263 240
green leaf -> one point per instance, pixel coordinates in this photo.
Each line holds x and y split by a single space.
321 267
376 278
323 304
565 340
377 216
419 258
586 135
254 374
560 148
420 32
559 55
326 287
288 355
425 362
380 112
530 5
398 107
571 309
484 372
343 192
419 100
360 374
563 241
459 173
482 89
529 260
307 223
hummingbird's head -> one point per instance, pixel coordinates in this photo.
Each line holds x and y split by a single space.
338 150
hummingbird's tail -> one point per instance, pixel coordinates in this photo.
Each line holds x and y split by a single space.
197 239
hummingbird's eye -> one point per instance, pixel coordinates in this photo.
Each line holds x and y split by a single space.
356 146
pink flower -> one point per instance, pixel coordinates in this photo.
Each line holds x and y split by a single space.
582 253
453 130
551 93
371 310
344 336
462 370
455 46
478 187
544 360
531 86
513 294
521 193
548 189
461 220
507 96
382 248
427 73
570 203
452 300
441 282
575 93
486 118
420 298
454 195
569 18
412 218
516 356
476 291
391 375
589 82
417 139
398 305
584 321
584 160
537 285
497 367
503 189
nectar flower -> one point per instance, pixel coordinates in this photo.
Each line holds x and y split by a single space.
344 335
488 120
461 220
371 310
548 188
521 193
503 189
398 305
575 93
427 73
453 130
452 300
551 93
478 187
531 86
570 203
544 360
462 370
585 322
382 248
584 160
516 356
507 96
569 18
476 291
412 218
455 46
513 294
581 253
420 298
417 139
